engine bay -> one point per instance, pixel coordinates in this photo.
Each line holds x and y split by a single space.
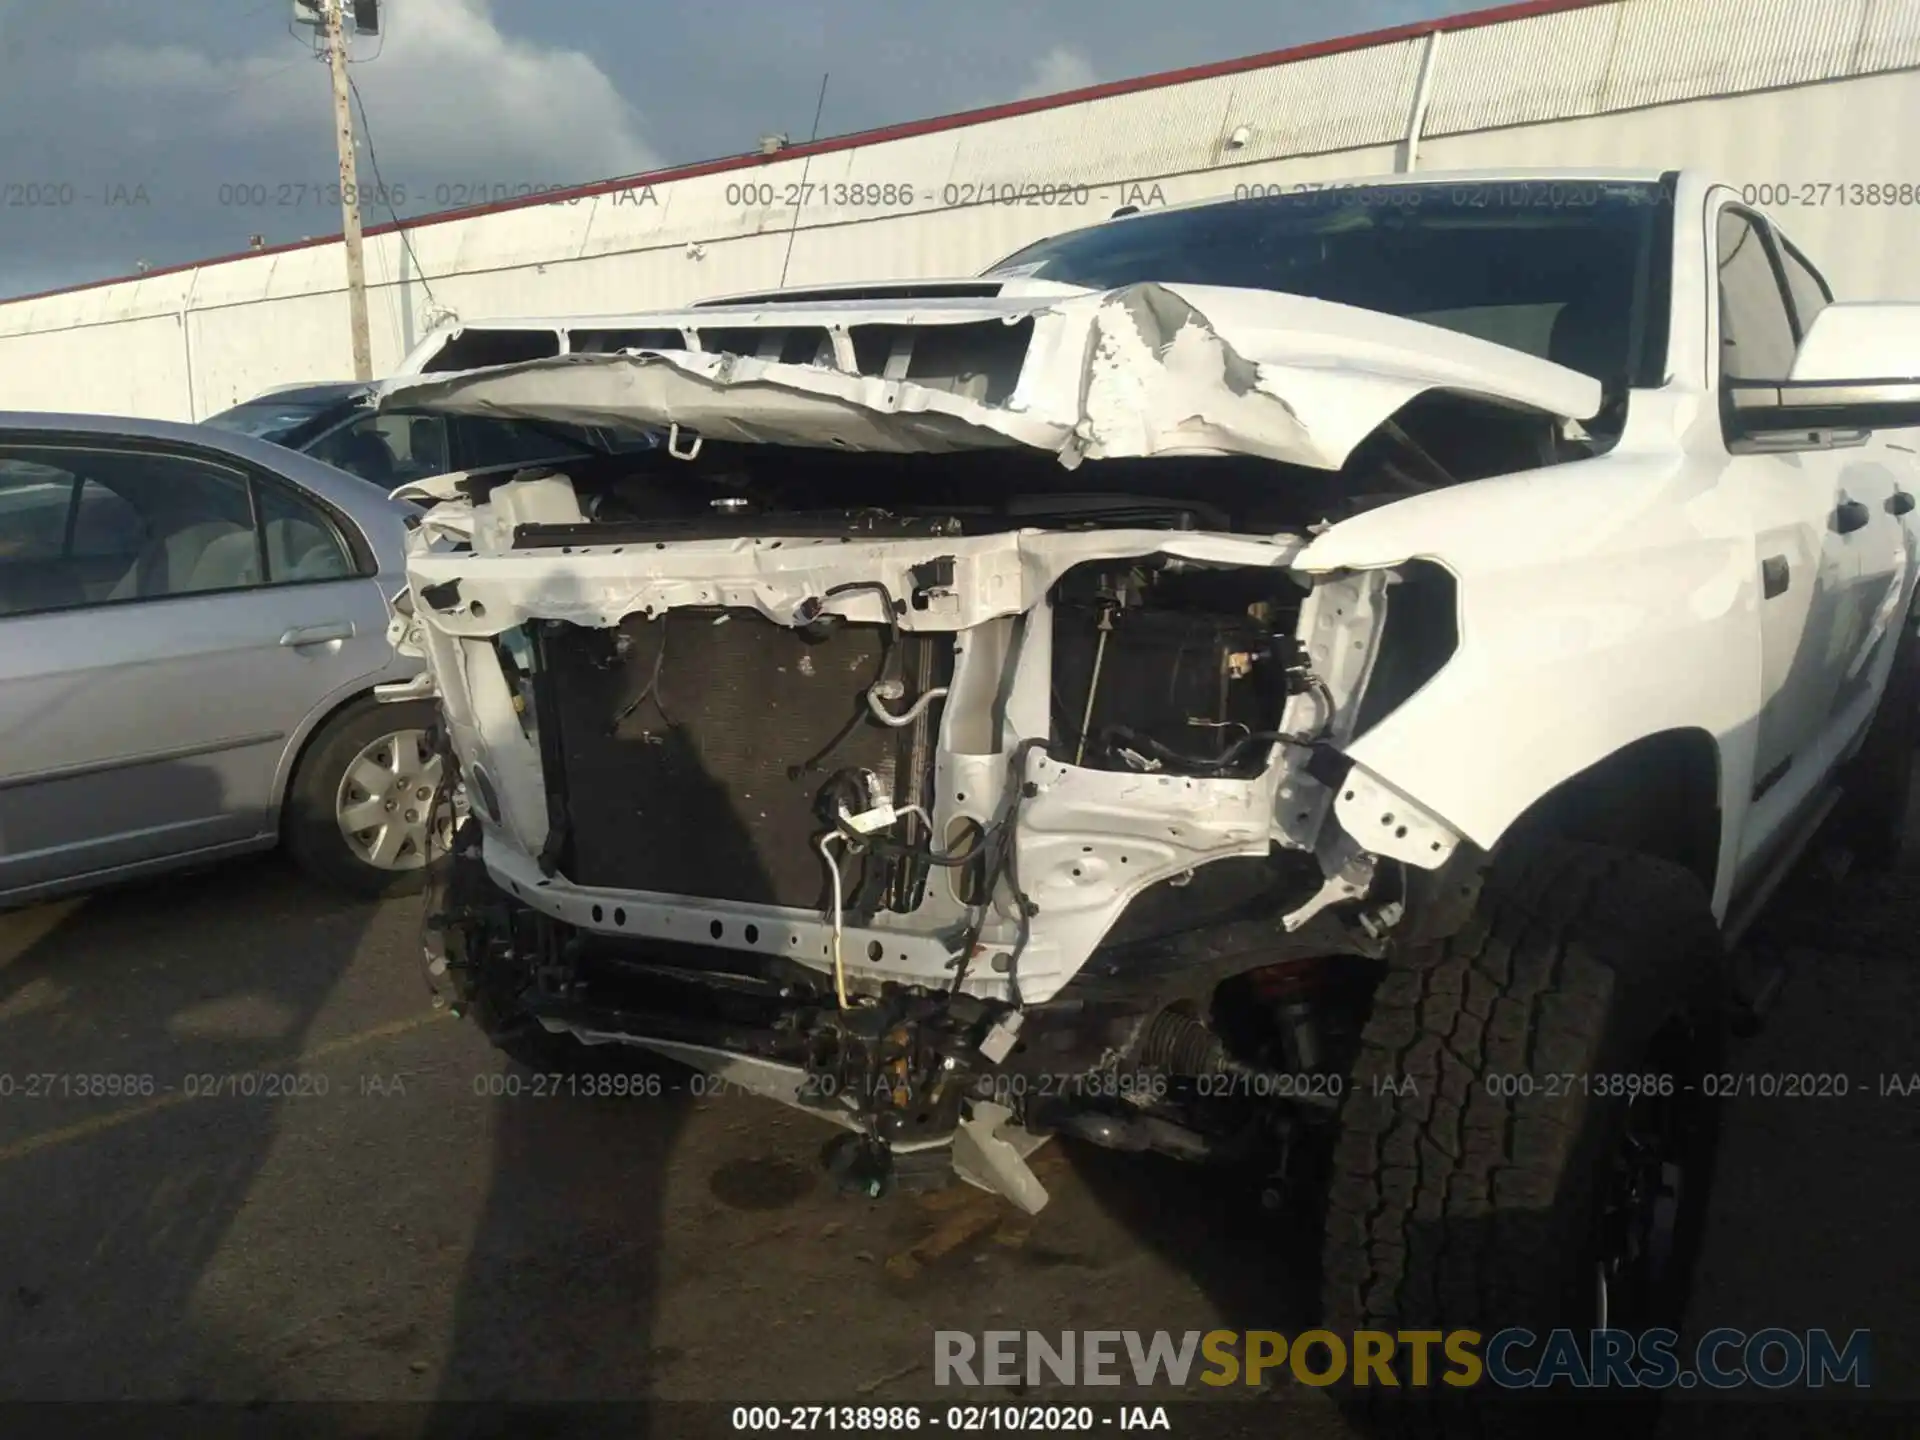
904 775
718 488
1166 668
709 751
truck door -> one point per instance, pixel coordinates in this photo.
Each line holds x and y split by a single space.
1879 478
1823 553
1807 542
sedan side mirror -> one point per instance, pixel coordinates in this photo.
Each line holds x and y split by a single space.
1858 368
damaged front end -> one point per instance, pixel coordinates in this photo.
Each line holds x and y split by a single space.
873 753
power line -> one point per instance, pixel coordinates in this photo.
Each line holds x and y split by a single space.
386 196
805 166
252 80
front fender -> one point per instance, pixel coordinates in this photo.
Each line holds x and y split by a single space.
1599 604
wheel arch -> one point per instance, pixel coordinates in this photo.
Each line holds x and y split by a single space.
309 730
1659 795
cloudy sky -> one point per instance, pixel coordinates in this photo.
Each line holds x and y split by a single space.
139 131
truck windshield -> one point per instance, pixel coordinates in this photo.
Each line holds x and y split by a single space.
1565 270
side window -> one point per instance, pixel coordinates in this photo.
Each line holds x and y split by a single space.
388 449
35 503
1756 333
503 442
83 526
1809 291
360 449
419 443
105 526
199 524
302 542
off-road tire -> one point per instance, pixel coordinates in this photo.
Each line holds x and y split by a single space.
1456 1204
310 828
1878 783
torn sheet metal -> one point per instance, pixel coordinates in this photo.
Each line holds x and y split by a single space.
727 397
991 1154
995 575
1143 370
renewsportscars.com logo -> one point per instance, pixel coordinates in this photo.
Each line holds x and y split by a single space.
1516 1359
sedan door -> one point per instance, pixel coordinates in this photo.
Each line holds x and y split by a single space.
155 666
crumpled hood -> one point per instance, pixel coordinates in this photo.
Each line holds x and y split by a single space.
1140 371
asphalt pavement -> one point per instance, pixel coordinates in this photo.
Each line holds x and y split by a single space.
242 1159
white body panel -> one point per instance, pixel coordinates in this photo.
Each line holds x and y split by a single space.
1146 370
1856 340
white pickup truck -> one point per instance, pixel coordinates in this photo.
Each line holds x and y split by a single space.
1319 682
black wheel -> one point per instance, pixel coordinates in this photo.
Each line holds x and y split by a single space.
1525 1140
359 805
1879 779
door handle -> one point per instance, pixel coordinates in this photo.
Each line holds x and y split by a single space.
1850 516
318 634
1899 503
1775 576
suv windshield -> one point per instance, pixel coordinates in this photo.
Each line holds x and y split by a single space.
282 419
1566 270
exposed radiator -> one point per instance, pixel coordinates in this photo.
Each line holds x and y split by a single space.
671 745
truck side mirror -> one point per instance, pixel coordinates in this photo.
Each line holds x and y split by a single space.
1858 368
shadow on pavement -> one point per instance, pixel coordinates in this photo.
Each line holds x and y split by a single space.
564 1275
121 1174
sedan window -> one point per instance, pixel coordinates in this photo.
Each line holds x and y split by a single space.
302 544
199 523
105 525
64 540
90 526
34 504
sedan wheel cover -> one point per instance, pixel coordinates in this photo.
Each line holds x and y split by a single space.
386 801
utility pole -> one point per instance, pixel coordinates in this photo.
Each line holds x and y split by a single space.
333 36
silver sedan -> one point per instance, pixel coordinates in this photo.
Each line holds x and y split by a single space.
191 628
